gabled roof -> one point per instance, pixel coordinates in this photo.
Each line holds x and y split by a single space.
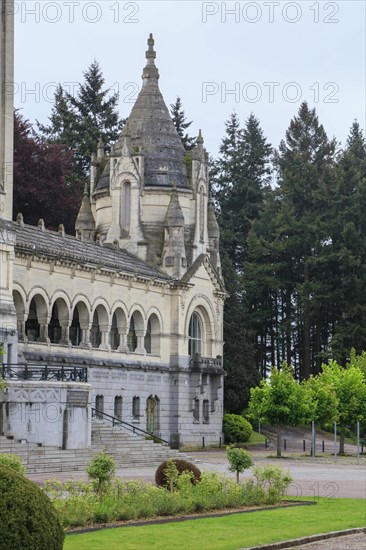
52 245
204 260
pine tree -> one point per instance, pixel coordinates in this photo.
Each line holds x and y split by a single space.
80 121
239 179
306 162
349 248
181 124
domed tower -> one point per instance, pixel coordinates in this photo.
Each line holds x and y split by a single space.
138 190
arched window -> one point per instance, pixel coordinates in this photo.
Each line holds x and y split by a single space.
54 327
118 407
152 414
195 335
152 336
75 330
32 324
114 336
206 411
136 407
148 337
99 406
196 410
95 334
126 206
202 215
131 336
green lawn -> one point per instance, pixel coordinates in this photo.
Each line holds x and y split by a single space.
229 532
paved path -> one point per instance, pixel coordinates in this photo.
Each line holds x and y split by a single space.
349 542
309 479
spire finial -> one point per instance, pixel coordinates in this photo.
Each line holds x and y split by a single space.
199 138
150 54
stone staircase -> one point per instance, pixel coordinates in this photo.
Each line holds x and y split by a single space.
128 450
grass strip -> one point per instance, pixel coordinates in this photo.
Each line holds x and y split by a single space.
230 532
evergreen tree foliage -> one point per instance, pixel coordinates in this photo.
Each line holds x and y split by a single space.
80 121
348 238
181 124
240 177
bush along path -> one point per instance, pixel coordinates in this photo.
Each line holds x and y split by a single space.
182 489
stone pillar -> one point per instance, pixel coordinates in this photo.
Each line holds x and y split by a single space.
65 333
85 335
122 334
21 329
105 343
43 330
140 341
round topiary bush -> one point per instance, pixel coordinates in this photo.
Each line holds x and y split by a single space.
28 518
182 466
236 429
12 461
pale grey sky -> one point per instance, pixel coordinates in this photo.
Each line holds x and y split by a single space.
264 57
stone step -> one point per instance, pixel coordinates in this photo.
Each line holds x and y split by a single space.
129 451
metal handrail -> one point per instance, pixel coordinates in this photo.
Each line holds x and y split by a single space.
117 422
42 373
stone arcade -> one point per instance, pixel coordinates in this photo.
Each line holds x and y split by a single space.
130 311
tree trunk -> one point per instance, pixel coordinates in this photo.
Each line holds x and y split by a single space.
341 441
237 476
306 366
279 442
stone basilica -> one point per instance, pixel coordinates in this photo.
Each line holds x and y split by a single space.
125 317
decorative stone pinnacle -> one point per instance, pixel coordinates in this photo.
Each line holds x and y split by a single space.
199 138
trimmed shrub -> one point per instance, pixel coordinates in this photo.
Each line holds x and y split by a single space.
182 466
101 469
239 460
12 461
28 518
236 429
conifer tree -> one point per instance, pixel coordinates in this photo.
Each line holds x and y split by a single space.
181 124
80 121
348 237
306 163
239 179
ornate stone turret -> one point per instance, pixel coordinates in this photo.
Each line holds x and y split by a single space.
151 130
85 224
213 237
174 260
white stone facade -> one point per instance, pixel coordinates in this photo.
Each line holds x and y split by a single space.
136 298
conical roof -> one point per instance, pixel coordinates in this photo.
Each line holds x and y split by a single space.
151 132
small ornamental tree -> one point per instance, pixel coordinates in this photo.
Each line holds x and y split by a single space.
349 386
101 469
239 460
236 428
281 401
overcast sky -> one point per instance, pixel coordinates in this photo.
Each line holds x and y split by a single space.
262 57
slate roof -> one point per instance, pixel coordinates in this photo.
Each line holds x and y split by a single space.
151 131
55 246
